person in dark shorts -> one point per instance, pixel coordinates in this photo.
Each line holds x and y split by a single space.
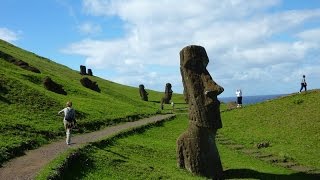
239 98
303 83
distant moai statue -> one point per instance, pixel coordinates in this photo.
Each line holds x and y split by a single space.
143 93
167 95
90 72
83 70
196 147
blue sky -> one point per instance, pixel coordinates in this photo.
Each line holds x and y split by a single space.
262 47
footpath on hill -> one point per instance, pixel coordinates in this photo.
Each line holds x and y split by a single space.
27 166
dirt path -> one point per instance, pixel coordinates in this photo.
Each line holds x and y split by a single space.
27 166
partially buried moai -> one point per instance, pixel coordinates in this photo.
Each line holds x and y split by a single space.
83 70
196 147
167 95
143 93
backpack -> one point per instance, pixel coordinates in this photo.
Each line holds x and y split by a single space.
70 115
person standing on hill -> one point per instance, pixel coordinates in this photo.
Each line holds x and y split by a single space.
303 83
239 98
68 120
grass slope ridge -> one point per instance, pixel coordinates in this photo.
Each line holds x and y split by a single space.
151 154
290 125
28 116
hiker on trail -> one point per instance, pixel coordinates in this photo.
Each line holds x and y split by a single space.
68 120
303 83
239 98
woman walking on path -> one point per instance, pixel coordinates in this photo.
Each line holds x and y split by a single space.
68 120
303 83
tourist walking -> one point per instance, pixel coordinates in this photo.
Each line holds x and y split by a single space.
303 83
68 120
239 98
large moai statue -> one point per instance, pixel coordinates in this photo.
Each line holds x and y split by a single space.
196 147
143 93
83 70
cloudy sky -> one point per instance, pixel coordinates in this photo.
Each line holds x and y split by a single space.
262 47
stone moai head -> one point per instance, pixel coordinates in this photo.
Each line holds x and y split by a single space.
90 72
143 93
168 88
83 70
200 90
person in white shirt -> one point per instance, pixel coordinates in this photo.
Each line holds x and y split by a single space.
68 120
303 83
239 98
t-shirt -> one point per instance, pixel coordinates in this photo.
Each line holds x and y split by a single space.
238 93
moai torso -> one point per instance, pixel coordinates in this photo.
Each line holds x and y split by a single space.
196 148
167 94
143 93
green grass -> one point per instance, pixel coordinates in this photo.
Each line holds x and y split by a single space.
28 116
290 124
28 119
151 154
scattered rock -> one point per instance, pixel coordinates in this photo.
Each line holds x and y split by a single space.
263 145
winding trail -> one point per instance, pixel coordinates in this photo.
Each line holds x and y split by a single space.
28 165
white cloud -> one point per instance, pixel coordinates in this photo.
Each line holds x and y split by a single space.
310 35
9 35
242 38
89 28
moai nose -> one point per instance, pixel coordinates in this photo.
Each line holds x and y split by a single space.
213 88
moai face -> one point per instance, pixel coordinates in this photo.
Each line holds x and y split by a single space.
200 90
143 93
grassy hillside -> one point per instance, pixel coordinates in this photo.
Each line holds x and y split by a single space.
151 154
289 124
28 116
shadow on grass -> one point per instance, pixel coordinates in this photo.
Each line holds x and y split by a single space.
155 101
4 100
252 174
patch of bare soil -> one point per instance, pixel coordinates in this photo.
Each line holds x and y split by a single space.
27 166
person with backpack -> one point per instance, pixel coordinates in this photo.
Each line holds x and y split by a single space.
68 120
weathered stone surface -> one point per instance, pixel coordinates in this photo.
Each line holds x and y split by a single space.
83 70
167 95
18 62
143 93
196 147
90 72
86 82
26 66
50 85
